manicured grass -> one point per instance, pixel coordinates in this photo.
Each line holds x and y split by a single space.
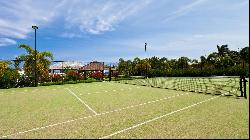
54 112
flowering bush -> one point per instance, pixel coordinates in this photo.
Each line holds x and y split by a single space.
96 74
114 74
72 75
82 76
56 77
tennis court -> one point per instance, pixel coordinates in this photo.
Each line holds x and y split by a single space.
118 110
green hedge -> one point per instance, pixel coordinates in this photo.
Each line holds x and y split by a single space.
232 71
69 82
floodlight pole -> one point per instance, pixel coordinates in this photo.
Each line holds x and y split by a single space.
35 27
146 73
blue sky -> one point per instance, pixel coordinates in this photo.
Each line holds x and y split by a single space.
106 30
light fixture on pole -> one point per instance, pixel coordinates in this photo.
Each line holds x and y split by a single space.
35 27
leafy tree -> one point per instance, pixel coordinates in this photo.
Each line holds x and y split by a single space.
213 59
3 67
235 56
244 55
222 62
183 62
203 61
194 63
8 77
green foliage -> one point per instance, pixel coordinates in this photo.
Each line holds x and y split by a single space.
9 78
223 62
71 75
43 60
89 80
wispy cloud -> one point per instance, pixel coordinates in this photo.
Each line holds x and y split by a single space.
6 42
184 10
96 18
17 17
84 16
70 35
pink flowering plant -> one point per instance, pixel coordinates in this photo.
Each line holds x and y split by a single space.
56 77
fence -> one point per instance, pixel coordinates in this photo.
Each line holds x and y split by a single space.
208 85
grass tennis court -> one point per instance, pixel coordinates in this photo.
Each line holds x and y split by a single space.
117 110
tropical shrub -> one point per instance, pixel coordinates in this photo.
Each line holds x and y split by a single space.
56 77
9 78
71 75
96 75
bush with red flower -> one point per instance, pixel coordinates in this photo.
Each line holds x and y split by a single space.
82 76
72 75
114 74
96 74
56 77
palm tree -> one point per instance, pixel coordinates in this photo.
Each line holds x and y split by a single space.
222 50
43 62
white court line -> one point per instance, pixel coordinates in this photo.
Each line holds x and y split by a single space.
82 101
156 118
148 121
90 116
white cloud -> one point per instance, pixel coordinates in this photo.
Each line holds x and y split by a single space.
6 42
184 10
70 35
86 16
96 18
17 17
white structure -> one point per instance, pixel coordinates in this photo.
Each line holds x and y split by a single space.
59 66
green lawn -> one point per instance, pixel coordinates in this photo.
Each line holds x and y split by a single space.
117 110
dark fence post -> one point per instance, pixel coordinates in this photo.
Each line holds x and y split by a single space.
62 73
110 73
245 92
102 70
241 92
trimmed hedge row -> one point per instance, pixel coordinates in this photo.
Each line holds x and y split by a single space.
69 82
233 71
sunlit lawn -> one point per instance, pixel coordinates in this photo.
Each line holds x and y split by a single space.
53 112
